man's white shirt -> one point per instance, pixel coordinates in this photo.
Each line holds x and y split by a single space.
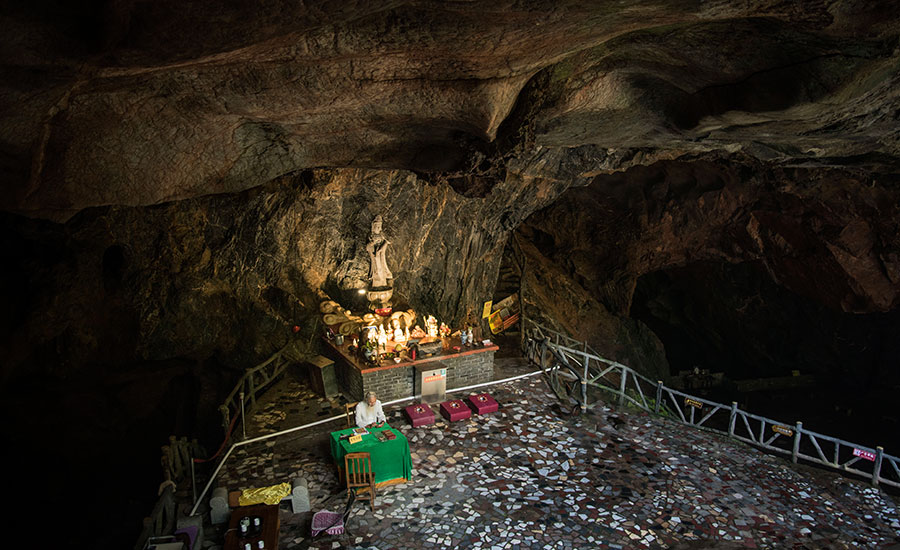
366 415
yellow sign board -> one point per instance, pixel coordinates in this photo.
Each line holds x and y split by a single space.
783 430
693 403
486 311
355 439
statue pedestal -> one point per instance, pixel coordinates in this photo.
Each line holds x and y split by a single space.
379 297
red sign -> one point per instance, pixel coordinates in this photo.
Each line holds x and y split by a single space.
433 378
868 455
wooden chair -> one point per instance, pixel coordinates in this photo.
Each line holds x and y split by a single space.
358 474
351 414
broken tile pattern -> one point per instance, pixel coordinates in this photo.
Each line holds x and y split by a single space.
530 476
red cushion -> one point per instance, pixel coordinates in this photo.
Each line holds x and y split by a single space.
419 414
455 410
483 403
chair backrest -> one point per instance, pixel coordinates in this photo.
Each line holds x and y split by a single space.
358 469
351 414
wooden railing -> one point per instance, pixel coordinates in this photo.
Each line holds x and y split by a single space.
162 519
243 397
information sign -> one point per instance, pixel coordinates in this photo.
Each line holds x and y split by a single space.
486 311
783 430
355 439
693 403
868 455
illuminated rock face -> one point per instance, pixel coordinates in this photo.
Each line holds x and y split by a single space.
210 167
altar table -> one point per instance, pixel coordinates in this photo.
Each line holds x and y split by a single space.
391 461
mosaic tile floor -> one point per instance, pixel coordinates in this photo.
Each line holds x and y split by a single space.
530 476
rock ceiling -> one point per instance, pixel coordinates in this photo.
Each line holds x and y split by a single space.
138 103
226 159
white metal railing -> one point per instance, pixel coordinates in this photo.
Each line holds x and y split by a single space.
571 367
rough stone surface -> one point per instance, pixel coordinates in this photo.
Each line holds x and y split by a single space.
132 104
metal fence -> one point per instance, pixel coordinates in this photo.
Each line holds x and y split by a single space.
572 368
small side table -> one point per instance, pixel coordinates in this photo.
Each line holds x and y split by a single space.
271 526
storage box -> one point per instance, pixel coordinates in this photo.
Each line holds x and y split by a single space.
483 403
431 382
419 415
322 378
455 410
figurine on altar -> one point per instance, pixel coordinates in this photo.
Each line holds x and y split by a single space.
417 332
382 338
431 326
445 331
470 336
398 332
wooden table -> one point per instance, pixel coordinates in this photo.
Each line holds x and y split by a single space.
271 525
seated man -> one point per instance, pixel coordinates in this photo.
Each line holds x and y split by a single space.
369 413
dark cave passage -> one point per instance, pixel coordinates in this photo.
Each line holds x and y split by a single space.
732 318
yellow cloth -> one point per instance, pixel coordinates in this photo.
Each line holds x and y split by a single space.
270 495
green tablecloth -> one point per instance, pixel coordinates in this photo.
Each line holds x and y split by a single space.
390 459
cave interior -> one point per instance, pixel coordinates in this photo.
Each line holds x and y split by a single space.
707 185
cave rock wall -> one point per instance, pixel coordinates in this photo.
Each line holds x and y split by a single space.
229 275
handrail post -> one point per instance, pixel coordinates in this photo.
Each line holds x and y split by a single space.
584 385
243 417
193 479
622 381
658 396
796 450
733 419
876 471
252 386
